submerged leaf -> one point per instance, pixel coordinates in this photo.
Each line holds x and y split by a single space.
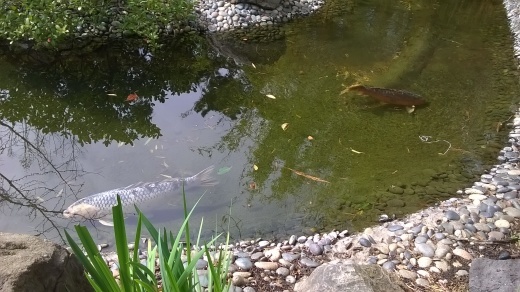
355 151
223 170
132 97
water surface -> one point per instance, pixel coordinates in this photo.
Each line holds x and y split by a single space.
68 131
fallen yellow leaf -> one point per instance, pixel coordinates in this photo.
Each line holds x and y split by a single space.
284 126
310 138
255 167
357 152
271 96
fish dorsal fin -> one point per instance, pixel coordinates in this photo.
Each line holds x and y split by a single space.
133 186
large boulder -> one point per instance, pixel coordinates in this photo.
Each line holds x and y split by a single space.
494 275
347 276
28 263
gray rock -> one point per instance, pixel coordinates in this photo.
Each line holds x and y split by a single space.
290 256
282 271
349 277
425 249
451 215
389 266
512 212
290 279
309 263
494 275
266 265
244 263
28 263
365 242
395 227
292 240
315 249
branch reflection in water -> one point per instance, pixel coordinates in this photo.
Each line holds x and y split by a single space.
38 172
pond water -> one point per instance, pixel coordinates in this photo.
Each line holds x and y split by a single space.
311 158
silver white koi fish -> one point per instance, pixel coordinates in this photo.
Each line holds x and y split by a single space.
100 205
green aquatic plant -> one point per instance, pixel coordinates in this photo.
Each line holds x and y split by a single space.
176 275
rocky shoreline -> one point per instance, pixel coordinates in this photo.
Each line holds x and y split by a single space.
427 250
219 16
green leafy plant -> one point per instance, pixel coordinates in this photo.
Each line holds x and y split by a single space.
49 23
176 275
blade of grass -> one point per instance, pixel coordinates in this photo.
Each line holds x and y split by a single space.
123 254
98 273
168 281
137 238
144 274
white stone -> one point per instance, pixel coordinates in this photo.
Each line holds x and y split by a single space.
463 254
424 262
502 223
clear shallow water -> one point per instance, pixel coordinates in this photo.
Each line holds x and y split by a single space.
201 110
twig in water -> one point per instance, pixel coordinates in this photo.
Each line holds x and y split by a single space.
307 176
427 139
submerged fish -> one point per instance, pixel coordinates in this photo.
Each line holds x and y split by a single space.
390 96
100 205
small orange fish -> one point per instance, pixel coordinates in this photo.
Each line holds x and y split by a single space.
132 97
389 96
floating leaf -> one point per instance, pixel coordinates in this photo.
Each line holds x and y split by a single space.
166 176
255 167
355 151
271 96
410 109
310 138
252 64
252 186
223 170
112 94
165 165
132 97
284 126
148 141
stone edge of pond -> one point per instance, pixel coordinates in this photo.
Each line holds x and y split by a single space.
512 8
220 16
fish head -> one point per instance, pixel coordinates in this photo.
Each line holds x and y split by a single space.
81 210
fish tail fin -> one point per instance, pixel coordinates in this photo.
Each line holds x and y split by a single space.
205 178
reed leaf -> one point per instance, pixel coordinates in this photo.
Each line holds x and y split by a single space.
123 254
